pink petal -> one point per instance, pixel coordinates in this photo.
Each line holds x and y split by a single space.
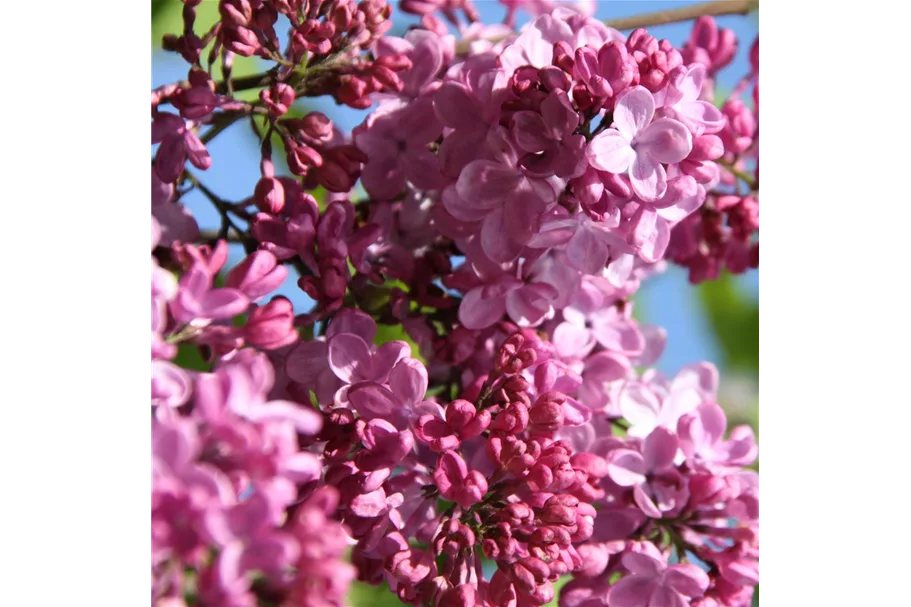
495 239
452 102
666 140
626 467
530 132
408 380
372 400
370 504
659 449
348 320
631 591
607 366
634 111
305 421
639 406
647 177
667 597
221 304
487 181
478 313
386 357
702 376
645 503
619 336
610 151
349 357
587 252
307 361
530 305
687 579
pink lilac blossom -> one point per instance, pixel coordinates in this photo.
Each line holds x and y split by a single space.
469 411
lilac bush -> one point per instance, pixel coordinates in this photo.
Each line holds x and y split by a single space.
520 186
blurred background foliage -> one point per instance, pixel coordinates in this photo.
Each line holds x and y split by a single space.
716 321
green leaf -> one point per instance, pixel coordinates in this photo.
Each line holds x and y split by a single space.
734 319
188 357
364 595
386 333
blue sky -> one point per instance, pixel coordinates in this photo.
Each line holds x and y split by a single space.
667 300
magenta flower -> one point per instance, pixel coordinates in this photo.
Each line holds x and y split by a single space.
652 583
701 435
178 143
456 483
640 146
198 302
682 101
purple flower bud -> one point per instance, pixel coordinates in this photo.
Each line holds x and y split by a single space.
257 275
271 326
269 195
277 98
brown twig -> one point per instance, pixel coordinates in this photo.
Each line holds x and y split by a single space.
685 13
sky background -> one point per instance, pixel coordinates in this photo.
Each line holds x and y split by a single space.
666 300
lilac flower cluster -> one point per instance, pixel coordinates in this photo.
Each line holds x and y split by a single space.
513 433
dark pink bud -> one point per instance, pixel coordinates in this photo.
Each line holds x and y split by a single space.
726 50
463 595
352 91
395 62
317 126
617 67
547 413
235 12
588 187
420 7
513 418
196 151
240 40
706 147
386 445
553 78
563 56
277 98
171 157
389 79
271 326
257 275
301 157
269 195
754 56
436 433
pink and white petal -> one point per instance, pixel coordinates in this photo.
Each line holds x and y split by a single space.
530 131
495 239
620 269
531 305
349 357
348 320
646 503
422 168
464 210
626 467
587 252
667 597
687 579
655 342
639 406
607 366
408 380
633 112
372 400
701 114
478 313
647 177
572 341
666 140
659 449
702 376
522 215
610 151
553 233
619 335
455 107
485 182
653 249
386 357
